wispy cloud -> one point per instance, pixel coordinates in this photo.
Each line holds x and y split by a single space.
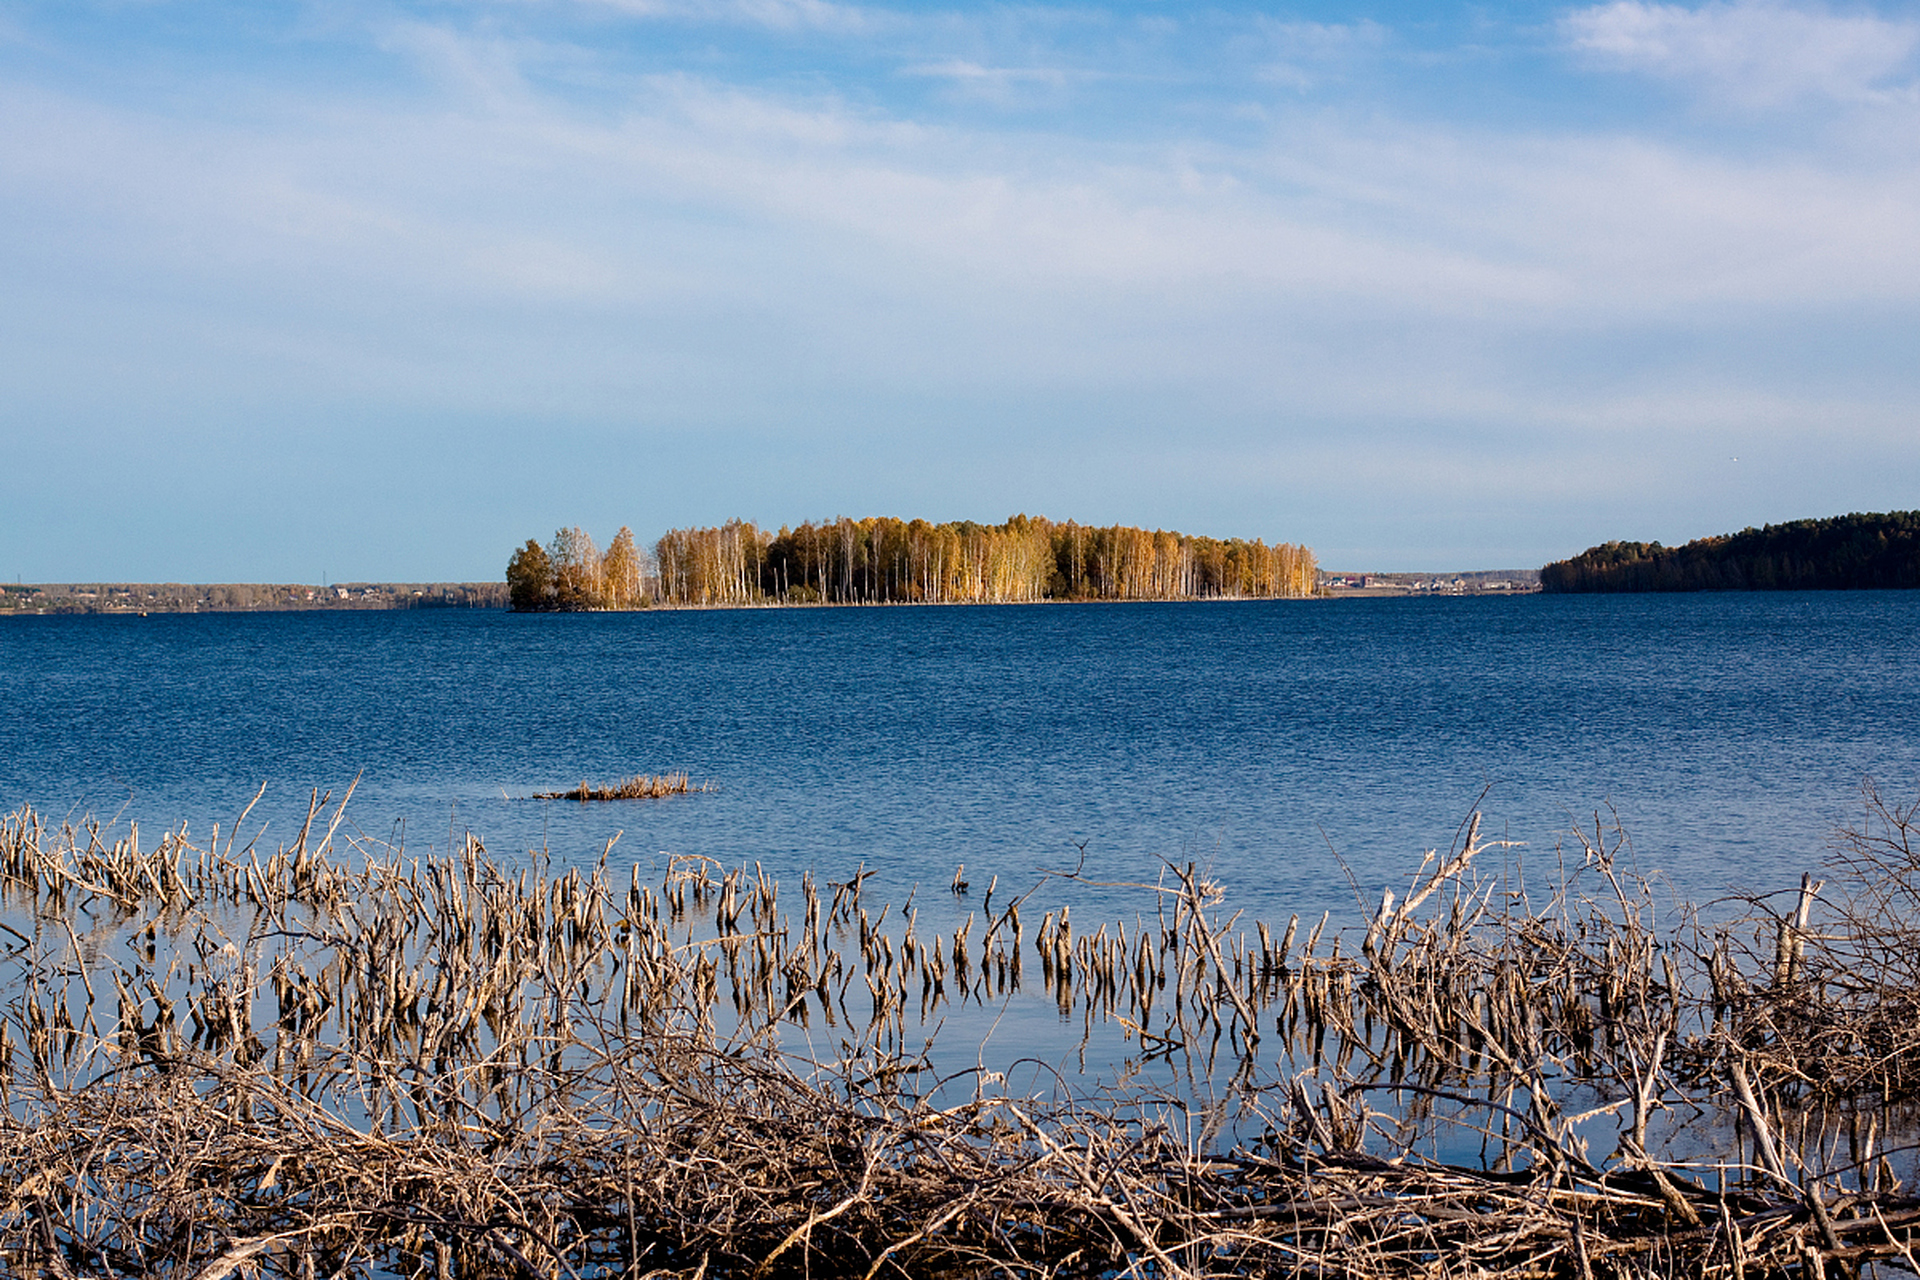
1756 53
776 15
1151 246
1304 55
1018 88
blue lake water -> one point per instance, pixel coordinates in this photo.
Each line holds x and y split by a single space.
1728 733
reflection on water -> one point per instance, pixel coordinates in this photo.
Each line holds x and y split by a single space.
1482 1067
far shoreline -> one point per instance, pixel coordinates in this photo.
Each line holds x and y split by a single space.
139 599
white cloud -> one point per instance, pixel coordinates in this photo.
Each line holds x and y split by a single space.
995 84
715 249
1755 53
1036 254
777 15
1304 55
474 70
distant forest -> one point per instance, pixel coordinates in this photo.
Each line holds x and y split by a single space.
882 560
1849 552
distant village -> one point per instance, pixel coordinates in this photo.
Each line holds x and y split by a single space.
245 597
1482 582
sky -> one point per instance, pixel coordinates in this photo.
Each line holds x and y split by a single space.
379 289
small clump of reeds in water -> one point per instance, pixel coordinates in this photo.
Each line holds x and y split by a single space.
341 1059
642 786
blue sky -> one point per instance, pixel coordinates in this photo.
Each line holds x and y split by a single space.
378 290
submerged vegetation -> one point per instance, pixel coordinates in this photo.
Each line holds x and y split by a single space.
1849 552
339 1059
885 560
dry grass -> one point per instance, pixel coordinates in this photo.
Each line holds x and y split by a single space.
314 1064
641 786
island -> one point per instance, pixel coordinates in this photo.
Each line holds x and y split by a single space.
886 560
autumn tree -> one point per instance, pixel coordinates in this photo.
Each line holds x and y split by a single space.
620 572
883 559
530 579
576 569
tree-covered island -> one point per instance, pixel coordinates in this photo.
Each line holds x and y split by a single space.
1851 552
884 560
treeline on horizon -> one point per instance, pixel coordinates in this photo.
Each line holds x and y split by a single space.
1840 553
885 560
244 597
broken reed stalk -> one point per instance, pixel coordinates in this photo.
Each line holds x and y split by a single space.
639 787
310 1063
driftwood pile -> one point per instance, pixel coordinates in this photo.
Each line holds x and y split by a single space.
343 1061
642 786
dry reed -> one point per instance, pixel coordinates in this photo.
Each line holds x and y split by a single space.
321 1062
641 786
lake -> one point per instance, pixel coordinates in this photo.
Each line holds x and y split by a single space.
1284 746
